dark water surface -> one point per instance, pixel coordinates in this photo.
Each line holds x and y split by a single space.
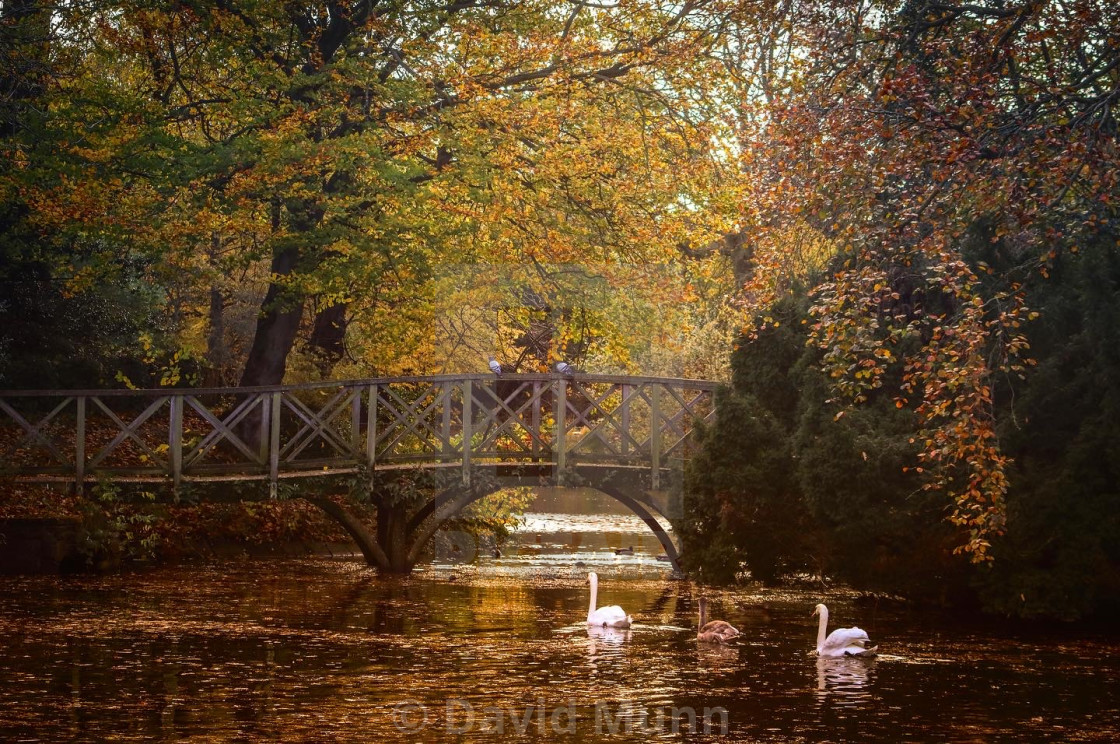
320 650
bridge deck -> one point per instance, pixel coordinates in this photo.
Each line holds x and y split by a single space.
545 421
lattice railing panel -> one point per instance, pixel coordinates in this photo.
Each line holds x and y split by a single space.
413 421
38 435
127 434
680 408
512 420
608 422
225 433
319 426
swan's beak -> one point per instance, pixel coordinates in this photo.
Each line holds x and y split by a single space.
815 612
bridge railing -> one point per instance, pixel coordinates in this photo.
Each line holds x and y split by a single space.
449 421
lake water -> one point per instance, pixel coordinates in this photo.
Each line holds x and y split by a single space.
321 649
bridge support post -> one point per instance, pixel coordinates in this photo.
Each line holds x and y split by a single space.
559 442
655 436
274 445
468 417
175 445
80 446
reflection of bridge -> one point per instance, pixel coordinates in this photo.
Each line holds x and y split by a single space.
476 433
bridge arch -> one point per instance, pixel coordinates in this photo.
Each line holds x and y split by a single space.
436 512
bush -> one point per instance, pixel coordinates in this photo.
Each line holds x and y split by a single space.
784 484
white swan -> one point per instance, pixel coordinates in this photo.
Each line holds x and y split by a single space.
612 616
842 641
716 631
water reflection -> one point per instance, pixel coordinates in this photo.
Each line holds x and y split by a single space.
321 650
844 679
604 634
717 656
604 644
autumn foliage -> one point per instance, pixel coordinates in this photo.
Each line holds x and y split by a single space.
262 192
910 133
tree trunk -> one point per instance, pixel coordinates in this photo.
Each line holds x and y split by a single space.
392 536
276 331
217 352
328 337
374 554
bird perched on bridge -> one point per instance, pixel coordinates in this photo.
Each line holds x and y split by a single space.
495 367
565 369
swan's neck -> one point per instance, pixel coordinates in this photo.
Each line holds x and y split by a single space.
822 627
594 594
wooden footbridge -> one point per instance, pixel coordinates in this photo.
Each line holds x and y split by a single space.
625 436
